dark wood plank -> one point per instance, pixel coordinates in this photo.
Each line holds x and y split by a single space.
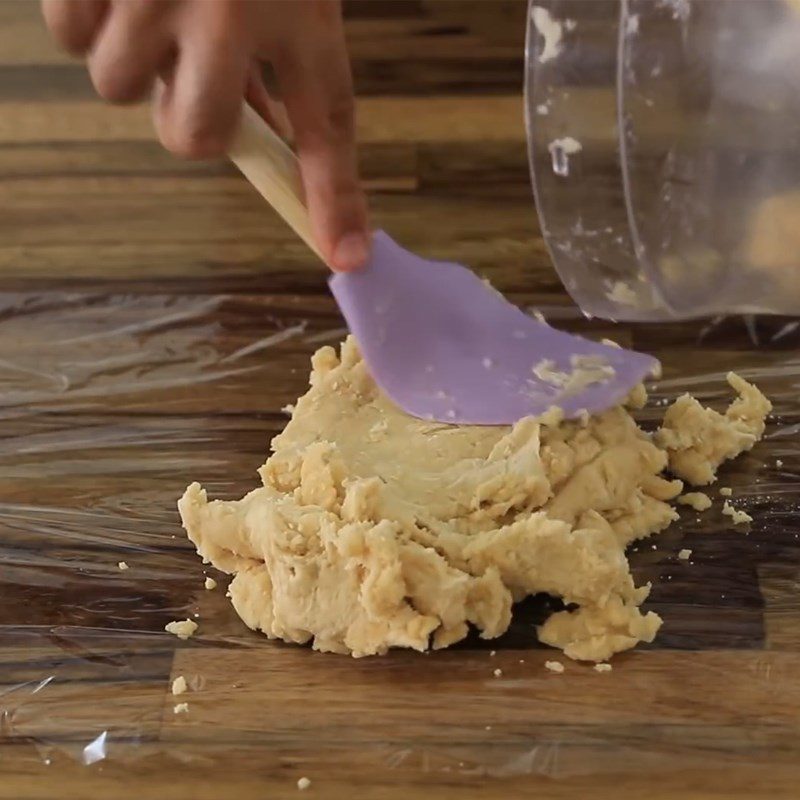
427 48
154 319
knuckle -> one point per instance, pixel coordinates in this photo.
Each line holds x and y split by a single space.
348 193
116 86
66 28
337 189
144 11
341 115
196 142
334 126
326 11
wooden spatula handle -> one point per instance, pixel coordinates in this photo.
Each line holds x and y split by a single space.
271 166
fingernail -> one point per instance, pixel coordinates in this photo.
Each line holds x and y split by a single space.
351 252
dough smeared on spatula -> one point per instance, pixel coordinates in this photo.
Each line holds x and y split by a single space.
374 529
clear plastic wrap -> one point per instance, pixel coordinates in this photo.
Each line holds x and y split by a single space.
111 404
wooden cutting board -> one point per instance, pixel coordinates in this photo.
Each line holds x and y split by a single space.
154 319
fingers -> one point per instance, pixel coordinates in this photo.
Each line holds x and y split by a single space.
130 49
125 41
74 23
270 109
315 79
203 51
197 110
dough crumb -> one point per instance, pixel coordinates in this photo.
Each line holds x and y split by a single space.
183 629
560 151
180 708
553 417
603 667
493 653
726 491
584 371
493 289
778 463
498 673
657 372
637 398
685 554
699 501
545 371
210 583
550 30
622 293
122 565
303 784
568 145
179 685
554 666
737 517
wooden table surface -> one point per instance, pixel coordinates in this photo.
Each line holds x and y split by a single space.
154 319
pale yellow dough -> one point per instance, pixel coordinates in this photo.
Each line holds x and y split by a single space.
375 530
699 501
699 439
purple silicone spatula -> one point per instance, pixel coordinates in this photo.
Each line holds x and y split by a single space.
439 342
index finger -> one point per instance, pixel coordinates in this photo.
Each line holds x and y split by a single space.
317 88
74 23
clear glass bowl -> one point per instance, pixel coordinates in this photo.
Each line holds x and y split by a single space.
664 141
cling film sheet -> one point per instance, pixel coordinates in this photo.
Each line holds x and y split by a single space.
111 404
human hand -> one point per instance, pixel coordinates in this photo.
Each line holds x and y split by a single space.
202 57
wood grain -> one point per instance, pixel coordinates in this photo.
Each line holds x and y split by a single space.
155 317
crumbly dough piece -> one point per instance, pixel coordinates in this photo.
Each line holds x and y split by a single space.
699 501
374 529
737 516
622 293
183 628
699 439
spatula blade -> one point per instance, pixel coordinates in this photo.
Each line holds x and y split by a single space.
445 346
